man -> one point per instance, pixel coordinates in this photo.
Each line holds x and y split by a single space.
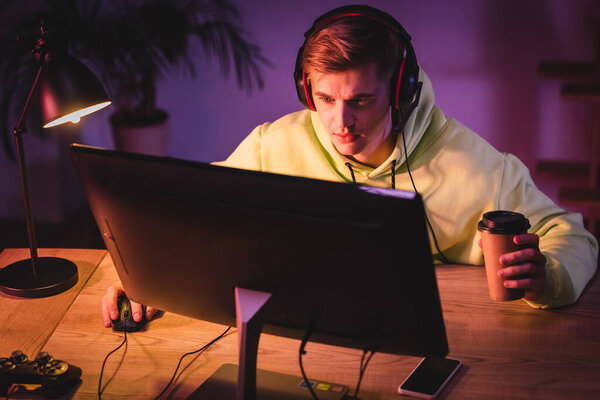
369 106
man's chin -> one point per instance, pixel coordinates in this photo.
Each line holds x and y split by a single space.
347 152
347 149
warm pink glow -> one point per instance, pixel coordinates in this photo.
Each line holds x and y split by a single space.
74 117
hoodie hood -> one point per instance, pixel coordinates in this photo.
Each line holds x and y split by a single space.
420 129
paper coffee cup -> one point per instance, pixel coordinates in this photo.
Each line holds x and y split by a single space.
497 231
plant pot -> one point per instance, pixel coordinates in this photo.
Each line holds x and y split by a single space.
150 137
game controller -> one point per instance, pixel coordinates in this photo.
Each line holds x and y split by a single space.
55 376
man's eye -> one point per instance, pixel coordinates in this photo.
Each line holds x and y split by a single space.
326 99
359 102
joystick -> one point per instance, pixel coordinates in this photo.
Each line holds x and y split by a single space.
55 376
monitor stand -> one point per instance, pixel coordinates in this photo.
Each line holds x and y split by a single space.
248 318
245 382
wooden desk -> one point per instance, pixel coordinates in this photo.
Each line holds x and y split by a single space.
509 350
26 324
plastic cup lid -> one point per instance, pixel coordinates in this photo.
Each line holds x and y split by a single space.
501 221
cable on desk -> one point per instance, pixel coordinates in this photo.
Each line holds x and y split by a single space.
176 369
363 367
104 363
364 361
206 346
301 353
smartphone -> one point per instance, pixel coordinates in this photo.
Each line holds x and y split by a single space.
428 379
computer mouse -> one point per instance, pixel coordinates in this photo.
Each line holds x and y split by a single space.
125 321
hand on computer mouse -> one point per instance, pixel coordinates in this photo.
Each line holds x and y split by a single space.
125 322
110 308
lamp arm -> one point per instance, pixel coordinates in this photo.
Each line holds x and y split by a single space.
20 127
18 133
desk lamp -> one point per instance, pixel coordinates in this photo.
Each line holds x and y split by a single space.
68 90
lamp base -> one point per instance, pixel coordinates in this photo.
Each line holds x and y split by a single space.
53 276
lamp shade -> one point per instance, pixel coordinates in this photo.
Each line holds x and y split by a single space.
68 91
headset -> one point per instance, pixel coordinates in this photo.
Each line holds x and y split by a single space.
404 84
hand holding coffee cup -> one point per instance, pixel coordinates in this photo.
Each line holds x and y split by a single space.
514 265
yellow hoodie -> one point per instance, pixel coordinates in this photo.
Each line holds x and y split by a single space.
459 176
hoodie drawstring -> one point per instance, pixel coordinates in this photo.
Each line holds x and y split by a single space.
393 170
351 172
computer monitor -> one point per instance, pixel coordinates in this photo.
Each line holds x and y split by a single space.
352 260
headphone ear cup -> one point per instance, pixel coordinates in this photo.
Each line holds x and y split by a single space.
407 76
304 91
302 85
301 93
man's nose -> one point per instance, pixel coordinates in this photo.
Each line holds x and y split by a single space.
344 117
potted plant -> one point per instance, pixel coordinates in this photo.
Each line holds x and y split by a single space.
130 45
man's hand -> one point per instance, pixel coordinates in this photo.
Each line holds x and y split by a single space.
111 311
529 262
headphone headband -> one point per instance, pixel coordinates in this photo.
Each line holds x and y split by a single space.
360 11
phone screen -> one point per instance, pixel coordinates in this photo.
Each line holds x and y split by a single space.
430 375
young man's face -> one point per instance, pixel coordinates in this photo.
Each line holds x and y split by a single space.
353 106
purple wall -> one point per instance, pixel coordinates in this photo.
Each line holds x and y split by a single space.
481 55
